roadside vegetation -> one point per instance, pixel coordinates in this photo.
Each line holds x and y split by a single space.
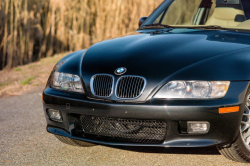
25 78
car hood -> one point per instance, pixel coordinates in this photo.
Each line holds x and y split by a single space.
158 56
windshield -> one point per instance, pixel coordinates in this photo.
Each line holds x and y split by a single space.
223 13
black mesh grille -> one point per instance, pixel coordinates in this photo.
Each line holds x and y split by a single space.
123 130
102 85
130 87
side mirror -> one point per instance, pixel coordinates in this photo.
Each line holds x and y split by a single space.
142 20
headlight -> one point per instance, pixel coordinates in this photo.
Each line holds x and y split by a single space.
67 82
194 89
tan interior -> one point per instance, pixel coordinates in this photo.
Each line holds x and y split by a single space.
245 24
224 17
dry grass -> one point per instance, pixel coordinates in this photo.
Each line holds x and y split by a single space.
33 29
24 78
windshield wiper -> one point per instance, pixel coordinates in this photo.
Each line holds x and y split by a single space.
156 26
212 27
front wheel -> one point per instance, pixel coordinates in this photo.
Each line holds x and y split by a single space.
239 151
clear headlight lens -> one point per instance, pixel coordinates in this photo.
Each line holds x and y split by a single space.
67 82
194 89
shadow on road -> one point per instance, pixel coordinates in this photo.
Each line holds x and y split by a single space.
193 151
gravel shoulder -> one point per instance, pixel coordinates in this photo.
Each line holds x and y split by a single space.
24 141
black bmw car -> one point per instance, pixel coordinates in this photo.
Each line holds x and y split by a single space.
182 80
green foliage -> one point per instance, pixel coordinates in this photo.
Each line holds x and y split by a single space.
27 80
3 84
17 69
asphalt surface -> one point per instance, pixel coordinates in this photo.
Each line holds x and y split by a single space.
24 141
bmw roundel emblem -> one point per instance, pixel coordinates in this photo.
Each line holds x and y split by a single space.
120 71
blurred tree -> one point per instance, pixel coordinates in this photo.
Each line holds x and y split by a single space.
32 29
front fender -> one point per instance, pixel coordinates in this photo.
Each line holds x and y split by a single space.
69 64
232 66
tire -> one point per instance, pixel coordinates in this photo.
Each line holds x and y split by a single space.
239 151
73 142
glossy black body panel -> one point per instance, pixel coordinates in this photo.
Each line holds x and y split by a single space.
174 55
160 56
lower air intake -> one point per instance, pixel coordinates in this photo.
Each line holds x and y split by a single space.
123 130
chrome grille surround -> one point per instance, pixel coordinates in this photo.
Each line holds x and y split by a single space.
102 85
130 87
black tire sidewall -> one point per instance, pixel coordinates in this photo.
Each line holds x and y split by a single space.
240 145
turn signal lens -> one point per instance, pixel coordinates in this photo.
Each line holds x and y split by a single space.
229 109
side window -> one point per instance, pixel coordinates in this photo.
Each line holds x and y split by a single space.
159 18
181 12
246 8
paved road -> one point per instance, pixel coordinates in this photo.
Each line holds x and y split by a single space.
24 141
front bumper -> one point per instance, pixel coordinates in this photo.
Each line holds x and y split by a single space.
223 127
